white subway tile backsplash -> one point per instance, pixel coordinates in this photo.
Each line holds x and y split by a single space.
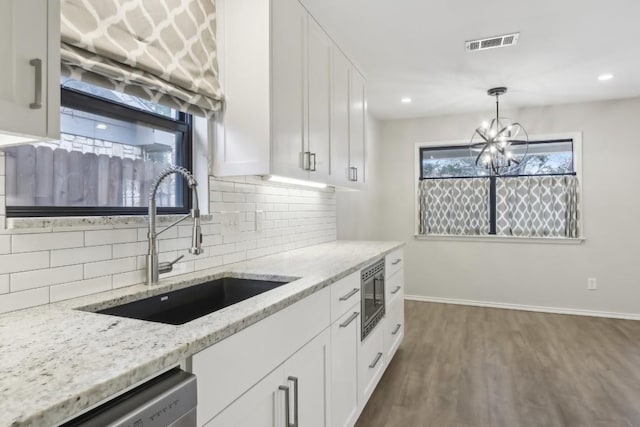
235 257
108 237
24 299
22 262
129 278
5 244
103 268
46 277
125 250
62 257
44 241
57 263
80 288
208 262
4 284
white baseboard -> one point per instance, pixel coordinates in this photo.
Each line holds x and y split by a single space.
507 306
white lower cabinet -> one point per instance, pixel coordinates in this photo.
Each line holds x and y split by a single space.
303 379
345 340
307 359
228 369
394 328
371 362
261 406
308 377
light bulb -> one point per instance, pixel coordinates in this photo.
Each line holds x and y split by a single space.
508 154
486 158
492 148
503 143
492 133
485 125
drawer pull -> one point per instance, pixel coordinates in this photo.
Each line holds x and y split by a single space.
286 405
349 320
375 361
396 262
349 295
395 331
396 290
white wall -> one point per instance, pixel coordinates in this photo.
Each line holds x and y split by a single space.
544 275
53 263
358 212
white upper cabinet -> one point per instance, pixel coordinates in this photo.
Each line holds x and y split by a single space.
348 132
319 105
289 89
340 76
283 104
357 131
30 72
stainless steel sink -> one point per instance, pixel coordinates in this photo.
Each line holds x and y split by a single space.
184 305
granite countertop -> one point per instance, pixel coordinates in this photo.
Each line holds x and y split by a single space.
56 360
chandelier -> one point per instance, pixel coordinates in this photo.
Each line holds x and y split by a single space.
501 145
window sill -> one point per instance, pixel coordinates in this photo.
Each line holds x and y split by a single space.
52 223
502 239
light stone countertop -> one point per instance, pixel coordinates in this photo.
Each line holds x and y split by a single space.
56 360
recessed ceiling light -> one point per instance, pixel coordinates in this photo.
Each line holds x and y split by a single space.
605 77
101 126
405 100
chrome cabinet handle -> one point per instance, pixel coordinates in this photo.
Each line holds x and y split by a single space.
396 261
349 320
286 405
312 156
37 102
306 160
295 401
396 290
375 361
395 331
353 173
349 295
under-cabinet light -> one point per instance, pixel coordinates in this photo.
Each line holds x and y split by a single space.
285 180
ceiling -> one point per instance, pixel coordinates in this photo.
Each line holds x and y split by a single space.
416 49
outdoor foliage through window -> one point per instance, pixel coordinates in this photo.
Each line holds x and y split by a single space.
543 158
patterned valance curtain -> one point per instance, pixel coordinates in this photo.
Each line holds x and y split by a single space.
537 206
160 50
456 206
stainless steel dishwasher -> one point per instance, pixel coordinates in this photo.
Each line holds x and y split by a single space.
168 400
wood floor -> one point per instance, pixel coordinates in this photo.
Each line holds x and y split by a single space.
470 366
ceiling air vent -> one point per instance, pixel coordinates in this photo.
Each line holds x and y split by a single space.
492 42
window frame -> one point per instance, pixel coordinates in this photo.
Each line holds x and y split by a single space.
76 99
575 137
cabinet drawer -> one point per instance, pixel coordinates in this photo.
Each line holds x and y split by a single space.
393 262
229 368
371 361
394 329
344 294
394 287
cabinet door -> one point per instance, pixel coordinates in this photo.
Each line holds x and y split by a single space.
23 42
262 406
340 75
319 77
357 128
289 94
371 361
345 340
310 368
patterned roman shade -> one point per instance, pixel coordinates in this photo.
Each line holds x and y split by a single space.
454 206
537 206
160 50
